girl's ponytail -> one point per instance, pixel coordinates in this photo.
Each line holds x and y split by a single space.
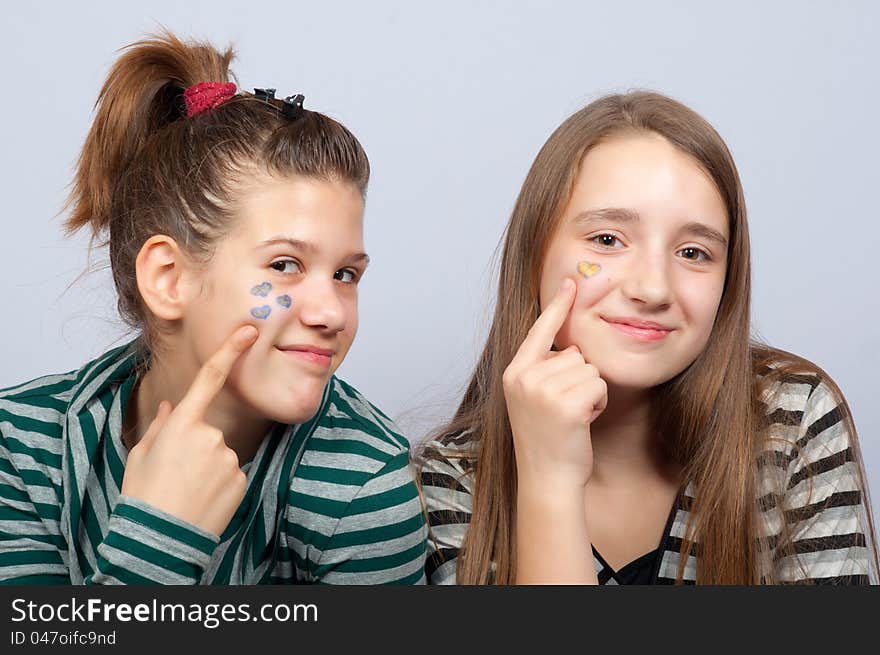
142 94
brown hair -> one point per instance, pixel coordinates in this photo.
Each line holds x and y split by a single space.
147 169
711 423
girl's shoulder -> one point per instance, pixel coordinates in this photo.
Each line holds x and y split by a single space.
38 405
59 385
352 494
358 426
812 481
32 417
446 476
805 415
451 454
794 390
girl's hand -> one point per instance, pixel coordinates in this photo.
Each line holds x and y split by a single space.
182 465
552 397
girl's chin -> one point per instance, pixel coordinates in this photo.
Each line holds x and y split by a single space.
278 403
287 413
632 376
634 382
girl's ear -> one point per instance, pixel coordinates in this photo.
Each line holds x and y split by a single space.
162 275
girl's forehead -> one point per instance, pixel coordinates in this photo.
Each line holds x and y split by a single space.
647 177
283 196
646 159
301 209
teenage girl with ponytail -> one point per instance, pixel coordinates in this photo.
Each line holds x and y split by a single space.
217 447
621 427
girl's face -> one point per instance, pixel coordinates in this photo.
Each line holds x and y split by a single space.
645 237
291 267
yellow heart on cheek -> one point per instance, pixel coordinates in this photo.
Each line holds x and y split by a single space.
588 269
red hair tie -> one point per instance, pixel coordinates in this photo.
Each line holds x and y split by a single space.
207 95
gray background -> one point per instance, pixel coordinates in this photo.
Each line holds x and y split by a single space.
452 101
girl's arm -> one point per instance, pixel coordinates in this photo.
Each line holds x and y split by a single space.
552 399
552 544
447 489
143 545
30 544
825 501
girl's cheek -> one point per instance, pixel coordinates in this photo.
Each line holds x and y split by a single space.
594 281
266 301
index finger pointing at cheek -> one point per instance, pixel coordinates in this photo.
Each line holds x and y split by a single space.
212 376
543 333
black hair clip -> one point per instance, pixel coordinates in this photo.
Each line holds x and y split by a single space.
291 106
264 94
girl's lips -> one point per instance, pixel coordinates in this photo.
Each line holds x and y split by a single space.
639 330
320 356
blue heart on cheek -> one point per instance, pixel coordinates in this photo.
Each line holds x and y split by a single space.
261 312
284 301
261 290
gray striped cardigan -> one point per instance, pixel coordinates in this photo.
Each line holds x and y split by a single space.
809 479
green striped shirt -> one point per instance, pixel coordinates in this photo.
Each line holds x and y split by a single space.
329 501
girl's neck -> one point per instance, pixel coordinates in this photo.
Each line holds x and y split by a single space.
625 445
242 430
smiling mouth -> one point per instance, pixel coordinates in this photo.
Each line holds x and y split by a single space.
647 331
312 354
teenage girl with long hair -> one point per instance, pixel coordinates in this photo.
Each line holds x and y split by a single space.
621 426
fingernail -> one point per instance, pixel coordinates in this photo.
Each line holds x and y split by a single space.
248 332
566 284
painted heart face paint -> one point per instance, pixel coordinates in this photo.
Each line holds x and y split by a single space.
261 290
588 269
592 286
261 312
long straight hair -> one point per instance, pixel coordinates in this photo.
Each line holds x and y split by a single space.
712 423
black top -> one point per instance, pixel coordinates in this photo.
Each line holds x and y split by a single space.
642 570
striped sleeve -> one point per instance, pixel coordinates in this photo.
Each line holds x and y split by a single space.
141 545
447 488
824 501
380 537
31 546
145 545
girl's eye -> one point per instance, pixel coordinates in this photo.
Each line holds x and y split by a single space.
286 266
607 241
346 275
694 255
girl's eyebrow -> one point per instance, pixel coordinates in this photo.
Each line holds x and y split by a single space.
620 214
607 214
703 230
310 248
305 246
